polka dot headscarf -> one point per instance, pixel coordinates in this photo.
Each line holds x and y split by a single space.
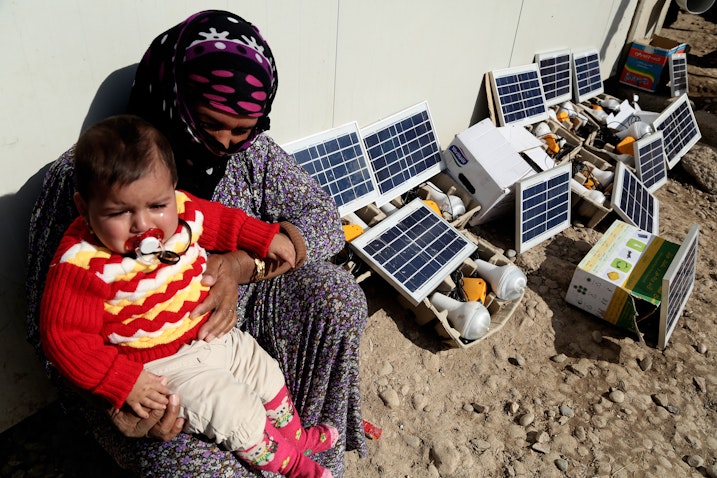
216 58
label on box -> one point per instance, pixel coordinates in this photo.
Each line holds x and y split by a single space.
645 63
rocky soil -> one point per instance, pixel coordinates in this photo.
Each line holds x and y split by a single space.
554 393
557 392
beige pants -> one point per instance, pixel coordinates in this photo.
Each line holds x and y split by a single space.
222 386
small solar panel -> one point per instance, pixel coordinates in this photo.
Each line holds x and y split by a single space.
337 161
678 73
633 202
587 78
677 285
519 95
556 75
403 151
650 162
543 206
413 249
679 129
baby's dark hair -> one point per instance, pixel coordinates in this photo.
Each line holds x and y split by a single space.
119 150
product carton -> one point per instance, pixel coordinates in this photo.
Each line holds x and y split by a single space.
484 162
646 61
636 280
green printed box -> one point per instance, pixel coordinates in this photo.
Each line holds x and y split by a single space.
636 280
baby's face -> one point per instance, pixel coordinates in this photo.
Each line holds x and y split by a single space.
124 212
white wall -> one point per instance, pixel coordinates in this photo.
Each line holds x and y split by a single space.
339 61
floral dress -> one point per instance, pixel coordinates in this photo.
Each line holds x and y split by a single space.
310 319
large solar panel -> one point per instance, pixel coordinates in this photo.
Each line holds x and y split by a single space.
556 75
633 202
337 161
679 129
677 285
587 78
678 74
543 206
650 163
413 249
519 95
403 150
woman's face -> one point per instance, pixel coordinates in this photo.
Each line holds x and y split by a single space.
227 129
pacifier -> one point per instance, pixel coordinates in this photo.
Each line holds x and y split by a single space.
149 242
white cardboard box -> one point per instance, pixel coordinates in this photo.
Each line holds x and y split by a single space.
485 163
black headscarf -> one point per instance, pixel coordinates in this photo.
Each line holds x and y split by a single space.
214 57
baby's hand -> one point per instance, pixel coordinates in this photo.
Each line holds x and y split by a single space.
149 391
282 248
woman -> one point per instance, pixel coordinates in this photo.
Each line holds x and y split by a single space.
208 84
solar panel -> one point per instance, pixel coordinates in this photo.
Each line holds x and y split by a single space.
413 249
543 206
337 161
679 129
678 73
633 202
556 75
403 151
650 163
587 78
677 285
519 95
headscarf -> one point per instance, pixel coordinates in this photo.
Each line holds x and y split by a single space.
215 57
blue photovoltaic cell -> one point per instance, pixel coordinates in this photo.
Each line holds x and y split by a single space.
414 250
678 74
588 81
678 283
400 149
633 201
679 129
681 284
555 75
650 162
543 206
337 162
519 94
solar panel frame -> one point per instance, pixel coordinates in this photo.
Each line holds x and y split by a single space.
677 285
678 74
633 202
679 129
414 249
556 75
587 78
548 212
337 160
650 161
518 94
403 150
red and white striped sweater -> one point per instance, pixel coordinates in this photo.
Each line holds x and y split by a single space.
104 314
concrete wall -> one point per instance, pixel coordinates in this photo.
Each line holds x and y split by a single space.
67 64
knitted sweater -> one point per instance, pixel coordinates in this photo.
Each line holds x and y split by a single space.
104 314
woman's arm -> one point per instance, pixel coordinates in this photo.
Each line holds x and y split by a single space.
53 212
292 195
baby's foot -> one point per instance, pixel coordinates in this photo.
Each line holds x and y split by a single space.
320 438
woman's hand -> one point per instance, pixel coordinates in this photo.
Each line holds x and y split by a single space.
223 276
161 424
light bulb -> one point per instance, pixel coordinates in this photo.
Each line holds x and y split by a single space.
470 319
507 282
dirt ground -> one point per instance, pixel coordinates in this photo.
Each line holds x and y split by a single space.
556 392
